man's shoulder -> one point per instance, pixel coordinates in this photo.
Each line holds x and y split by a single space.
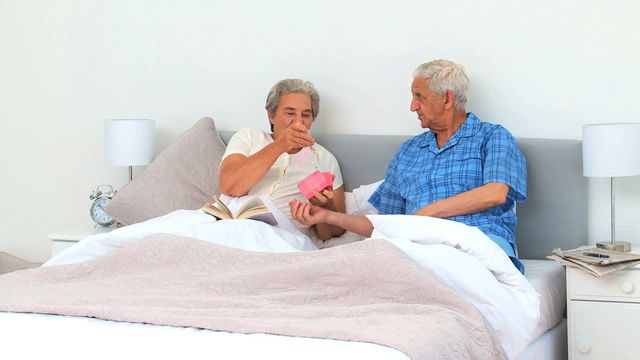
412 144
488 127
489 130
418 140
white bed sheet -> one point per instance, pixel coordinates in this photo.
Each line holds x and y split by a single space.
548 278
552 345
36 336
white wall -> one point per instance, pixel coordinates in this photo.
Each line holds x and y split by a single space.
541 68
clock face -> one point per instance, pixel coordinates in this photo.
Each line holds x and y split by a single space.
98 214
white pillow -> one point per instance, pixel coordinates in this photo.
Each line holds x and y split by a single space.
358 201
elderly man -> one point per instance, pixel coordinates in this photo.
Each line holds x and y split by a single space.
463 169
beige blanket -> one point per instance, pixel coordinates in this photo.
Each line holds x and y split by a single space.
366 291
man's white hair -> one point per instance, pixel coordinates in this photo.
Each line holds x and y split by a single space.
446 75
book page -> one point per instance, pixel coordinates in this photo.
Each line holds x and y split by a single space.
222 206
265 216
216 212
249 207
283 221
252 204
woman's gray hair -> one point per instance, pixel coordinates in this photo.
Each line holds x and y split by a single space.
446 75
287 86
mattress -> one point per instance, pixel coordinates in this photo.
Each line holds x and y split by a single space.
548 278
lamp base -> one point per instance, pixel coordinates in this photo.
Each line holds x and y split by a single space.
621 246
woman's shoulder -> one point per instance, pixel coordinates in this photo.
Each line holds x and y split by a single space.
253 136
251 132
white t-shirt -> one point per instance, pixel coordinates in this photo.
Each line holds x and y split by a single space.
280 183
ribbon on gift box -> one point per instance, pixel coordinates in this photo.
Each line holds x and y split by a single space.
318 180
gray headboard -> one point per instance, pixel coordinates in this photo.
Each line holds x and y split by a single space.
555 214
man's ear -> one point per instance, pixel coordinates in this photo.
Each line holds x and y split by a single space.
449 99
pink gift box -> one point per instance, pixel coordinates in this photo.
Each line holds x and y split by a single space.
319 181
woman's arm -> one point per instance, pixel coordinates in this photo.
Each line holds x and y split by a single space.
239 173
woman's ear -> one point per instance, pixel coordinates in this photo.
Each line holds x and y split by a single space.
271 123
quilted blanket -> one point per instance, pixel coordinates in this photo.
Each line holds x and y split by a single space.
367 291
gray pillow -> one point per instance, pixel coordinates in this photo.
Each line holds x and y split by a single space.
184 176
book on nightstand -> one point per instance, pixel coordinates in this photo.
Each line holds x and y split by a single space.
598 262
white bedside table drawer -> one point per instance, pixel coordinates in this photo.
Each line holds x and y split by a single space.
620 286
58 246
61 241
603 330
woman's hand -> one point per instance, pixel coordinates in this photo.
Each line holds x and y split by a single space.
294 138
324 198
306 213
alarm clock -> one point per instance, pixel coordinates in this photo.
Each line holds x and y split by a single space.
101 197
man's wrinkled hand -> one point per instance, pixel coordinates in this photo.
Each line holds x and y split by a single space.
306 213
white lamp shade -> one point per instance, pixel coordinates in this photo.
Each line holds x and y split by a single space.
611 150
129 142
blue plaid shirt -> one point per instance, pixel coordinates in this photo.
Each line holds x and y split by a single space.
477 154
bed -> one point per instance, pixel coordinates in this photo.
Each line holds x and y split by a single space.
554 216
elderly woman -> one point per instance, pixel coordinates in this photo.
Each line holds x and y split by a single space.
273 163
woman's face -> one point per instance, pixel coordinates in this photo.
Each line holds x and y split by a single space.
292 108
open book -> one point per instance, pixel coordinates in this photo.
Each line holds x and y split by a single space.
253 207
597 262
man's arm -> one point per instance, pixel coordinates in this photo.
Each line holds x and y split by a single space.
309 214
468 202
335 201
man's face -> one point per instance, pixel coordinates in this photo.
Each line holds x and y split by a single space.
428 105
293 107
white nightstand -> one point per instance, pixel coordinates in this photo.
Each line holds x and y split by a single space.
603 314
64 239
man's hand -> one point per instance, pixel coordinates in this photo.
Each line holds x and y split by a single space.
306 213
294 138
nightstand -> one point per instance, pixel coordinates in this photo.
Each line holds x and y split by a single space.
603 314
64 239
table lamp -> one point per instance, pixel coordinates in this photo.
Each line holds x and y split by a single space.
129 142
611 150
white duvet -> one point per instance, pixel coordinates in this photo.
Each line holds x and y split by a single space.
459 255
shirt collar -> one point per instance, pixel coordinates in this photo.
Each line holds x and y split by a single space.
469 127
